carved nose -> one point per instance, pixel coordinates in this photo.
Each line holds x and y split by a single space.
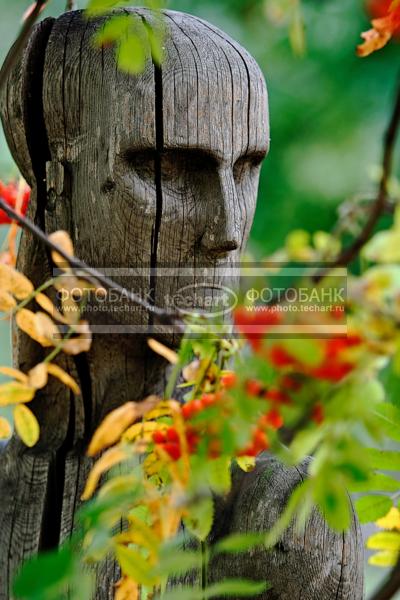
222 232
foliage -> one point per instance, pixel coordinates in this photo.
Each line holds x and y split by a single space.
159 462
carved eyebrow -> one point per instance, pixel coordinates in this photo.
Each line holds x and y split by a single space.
200 155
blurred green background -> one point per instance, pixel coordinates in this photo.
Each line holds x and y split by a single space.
328 112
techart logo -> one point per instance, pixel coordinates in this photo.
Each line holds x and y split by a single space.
213 299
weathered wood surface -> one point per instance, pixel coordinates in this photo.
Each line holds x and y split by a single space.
317 564
145 172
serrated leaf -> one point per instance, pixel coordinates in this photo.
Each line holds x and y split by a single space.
37 376
386 558
384 540
371 508
219 474
26 321
388 417
238 588
387 460
200 518
178 563
14 373
109 459
44 576
238 542
391 520
64 377
26 425
334 504
135 566
378 482
63 240
131 54
246 463
14 282
7 301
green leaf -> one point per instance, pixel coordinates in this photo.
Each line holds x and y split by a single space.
200 518
113 29
132 54
298 496
100 7
384 540
239 588
238 542
307 352
178 563
334 504
135 566
219 474
46 576
371 508
386 460
304 443
377 482
388 417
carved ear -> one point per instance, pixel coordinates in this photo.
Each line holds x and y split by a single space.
21 103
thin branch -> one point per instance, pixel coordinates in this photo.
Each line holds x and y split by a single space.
21 40
71 5
390 587
379 206
163 316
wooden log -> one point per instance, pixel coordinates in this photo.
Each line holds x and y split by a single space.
146 173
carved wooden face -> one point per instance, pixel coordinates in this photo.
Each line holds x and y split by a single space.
160 169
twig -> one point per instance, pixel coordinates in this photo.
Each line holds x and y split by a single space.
390 586
71 5
163 316
379 205
21 40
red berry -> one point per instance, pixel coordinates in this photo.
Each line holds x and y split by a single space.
272 419
172 435
277 396
173 450
260 440
229 380
207 400
159 437
279 357
317 414
254 387
290 383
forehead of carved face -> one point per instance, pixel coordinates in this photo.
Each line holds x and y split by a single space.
166 163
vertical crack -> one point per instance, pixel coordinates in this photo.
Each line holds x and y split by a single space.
159 124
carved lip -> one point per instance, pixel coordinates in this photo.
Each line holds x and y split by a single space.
212 298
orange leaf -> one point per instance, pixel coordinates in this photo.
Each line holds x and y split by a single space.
126 589
38 376
64 242
15 282
25 320
7 301
15 373
169 355
64 377
117 421
26 425
112 457
47 329
81 343
5 429
48 306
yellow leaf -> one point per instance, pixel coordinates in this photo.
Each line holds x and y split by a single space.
71 291
7 302
38 376
47 329
191 371
386 558
384 540
26 425
82 342
143 431
15 373
165 408
391 520
64 377
246 463
126 589
163 351
64 242
5 429
25 320
47 305
112 457
15 282
117 421
15 392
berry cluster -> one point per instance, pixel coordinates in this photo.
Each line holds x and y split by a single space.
10 193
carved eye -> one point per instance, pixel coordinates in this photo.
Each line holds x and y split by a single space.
245 165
